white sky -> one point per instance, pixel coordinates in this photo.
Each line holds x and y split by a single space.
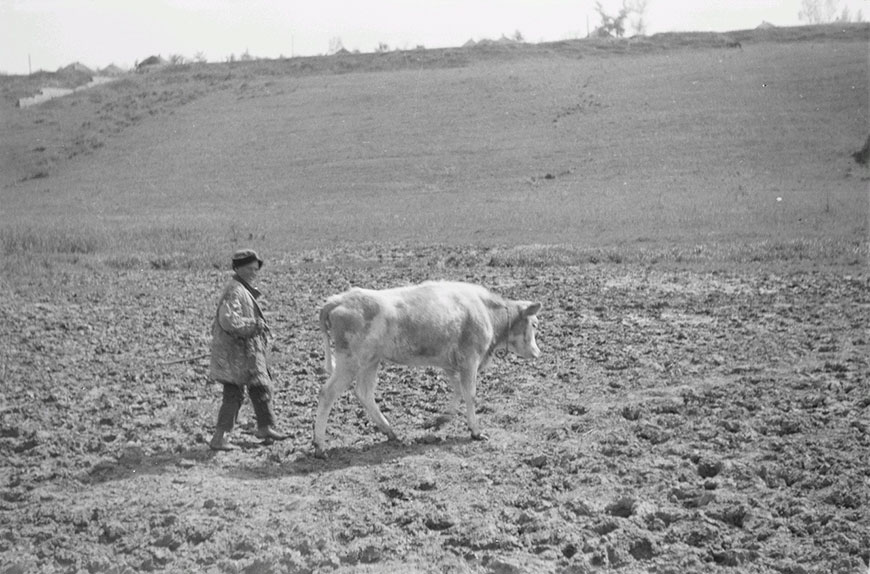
54 33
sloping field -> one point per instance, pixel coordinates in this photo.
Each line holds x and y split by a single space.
690 215
676 145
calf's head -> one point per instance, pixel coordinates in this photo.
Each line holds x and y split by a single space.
521 337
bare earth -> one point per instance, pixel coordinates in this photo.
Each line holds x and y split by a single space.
680 420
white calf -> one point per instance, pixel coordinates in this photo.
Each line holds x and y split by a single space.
454 326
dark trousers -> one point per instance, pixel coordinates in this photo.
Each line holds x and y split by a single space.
234 396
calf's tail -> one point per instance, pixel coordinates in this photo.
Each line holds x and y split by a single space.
325 326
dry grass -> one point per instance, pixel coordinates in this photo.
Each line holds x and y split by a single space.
835 252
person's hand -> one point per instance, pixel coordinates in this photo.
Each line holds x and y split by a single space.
262 326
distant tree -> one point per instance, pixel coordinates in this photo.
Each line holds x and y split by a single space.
199 58
616 25
518 36
335 45
638 22
825 11
176 59
817 11
846 16
610 25
382 48
246 56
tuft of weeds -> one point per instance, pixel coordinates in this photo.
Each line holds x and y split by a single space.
125 262
26 240
766 251
540 256
41 174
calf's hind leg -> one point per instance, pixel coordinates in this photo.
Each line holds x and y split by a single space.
365 392
337 383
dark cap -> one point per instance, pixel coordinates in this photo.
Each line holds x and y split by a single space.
244 256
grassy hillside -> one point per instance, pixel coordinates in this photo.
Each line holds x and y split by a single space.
672 142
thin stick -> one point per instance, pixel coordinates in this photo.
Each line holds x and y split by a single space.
186 360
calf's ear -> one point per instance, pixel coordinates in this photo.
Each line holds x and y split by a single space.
531 309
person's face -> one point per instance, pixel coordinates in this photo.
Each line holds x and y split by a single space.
249 272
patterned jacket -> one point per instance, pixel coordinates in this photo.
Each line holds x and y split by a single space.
238 346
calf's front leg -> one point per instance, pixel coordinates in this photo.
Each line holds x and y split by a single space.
468 387
453 408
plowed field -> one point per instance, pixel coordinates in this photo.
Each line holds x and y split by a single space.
679 420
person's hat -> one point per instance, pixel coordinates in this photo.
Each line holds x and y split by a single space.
244 256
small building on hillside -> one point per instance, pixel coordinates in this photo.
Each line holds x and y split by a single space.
765 25
77 67
150 63
111 70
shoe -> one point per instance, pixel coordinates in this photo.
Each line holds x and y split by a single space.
268 433
219 441
221 445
